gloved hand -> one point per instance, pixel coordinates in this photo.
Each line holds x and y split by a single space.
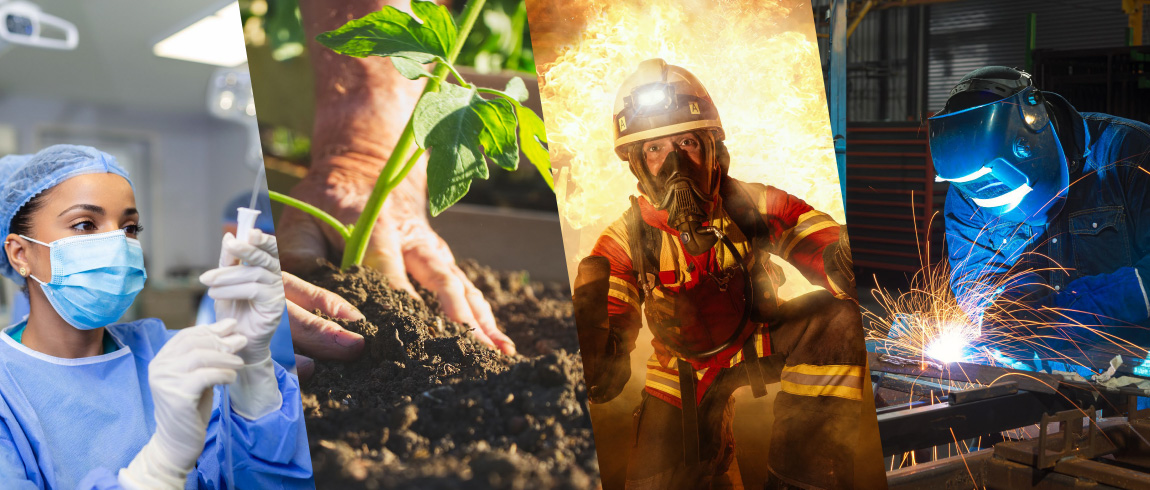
248 287
839 267
181 377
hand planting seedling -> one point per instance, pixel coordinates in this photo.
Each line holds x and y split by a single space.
454 120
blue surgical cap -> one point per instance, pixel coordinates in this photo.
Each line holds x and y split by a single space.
263 205
23 177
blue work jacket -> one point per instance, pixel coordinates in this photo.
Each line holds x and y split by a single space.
1090 263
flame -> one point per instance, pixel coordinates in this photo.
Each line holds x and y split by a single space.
758 59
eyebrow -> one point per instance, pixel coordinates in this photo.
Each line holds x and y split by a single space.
87 207
98 210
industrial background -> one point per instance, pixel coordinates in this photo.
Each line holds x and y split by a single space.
890 65
901 60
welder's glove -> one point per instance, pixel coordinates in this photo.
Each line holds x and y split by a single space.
1023 288
248 286
181 377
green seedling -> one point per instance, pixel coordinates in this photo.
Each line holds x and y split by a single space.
453 120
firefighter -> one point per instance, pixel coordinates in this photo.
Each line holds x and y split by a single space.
692 257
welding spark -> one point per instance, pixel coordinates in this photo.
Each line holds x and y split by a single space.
948 347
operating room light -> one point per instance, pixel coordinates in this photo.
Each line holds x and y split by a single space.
217 39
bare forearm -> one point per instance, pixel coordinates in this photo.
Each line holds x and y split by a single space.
362 104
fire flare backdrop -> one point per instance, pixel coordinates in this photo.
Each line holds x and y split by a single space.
758 59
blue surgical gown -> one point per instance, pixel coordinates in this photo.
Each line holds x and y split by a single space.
74 423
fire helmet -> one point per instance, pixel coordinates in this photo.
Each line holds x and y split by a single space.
659 100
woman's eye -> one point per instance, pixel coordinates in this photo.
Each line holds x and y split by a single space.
84 226
133 229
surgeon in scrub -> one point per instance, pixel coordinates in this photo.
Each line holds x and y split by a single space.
89 403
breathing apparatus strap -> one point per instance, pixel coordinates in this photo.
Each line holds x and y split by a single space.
639 250
689 399
754 372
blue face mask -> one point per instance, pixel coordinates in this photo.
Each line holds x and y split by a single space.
95 278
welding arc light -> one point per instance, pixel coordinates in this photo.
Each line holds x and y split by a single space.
948 347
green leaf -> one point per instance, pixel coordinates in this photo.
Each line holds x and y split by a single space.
532 137
458 127
391 32
516 88
410 70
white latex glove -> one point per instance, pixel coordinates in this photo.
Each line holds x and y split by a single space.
181 377
248 287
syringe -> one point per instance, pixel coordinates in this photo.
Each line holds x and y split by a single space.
245 222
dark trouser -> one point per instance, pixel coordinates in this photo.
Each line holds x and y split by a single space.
813 438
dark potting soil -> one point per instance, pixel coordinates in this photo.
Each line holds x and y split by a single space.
429 407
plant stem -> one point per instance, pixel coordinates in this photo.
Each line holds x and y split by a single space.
500 93
401 160
458 77
312 210
406 168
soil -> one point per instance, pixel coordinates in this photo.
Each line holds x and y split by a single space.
429 407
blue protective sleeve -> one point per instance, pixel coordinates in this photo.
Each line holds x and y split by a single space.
269 453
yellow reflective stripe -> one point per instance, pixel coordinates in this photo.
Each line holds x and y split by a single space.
626 298
814 213
828 370
805 233
806 220
831 390
664 388
737 358
670 256
831 380
666 375
624 291
624 286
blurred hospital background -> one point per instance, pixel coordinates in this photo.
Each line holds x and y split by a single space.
159 85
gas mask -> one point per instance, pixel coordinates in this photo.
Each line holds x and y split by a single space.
685 189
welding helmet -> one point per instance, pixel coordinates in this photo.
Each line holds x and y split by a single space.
996 144
660 100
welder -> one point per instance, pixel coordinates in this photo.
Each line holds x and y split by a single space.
692 256
1047 223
